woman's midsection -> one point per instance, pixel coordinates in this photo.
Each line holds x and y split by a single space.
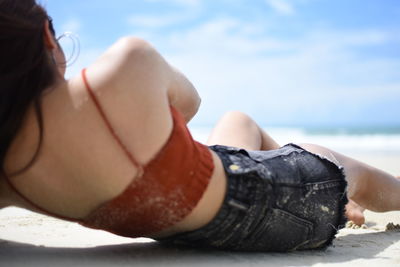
208 206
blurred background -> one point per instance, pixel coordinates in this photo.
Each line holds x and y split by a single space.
301 68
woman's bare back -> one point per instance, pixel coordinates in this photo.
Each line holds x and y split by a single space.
80 165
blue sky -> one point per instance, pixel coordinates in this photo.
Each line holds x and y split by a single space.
284 62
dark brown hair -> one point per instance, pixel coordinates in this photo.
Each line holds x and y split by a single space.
26 68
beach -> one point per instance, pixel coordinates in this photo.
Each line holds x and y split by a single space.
29 239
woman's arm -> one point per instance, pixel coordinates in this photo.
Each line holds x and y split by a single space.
183 95
135 63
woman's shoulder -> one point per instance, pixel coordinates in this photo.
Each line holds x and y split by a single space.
129 63
130 72
129 84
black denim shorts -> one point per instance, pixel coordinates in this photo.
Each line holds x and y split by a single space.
279 200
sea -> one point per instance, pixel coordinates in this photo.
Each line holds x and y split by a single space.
374 140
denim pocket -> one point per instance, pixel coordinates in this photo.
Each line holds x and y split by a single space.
279 231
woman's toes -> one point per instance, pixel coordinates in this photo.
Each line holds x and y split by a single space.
355 213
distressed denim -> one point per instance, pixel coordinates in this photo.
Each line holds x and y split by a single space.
279 200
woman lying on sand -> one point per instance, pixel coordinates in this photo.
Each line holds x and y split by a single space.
110 149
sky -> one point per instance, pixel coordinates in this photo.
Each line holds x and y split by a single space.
325 63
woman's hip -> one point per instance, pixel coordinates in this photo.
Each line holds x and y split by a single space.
278 200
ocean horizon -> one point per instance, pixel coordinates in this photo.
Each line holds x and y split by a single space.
377 140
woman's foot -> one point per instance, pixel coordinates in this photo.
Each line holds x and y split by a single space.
355 213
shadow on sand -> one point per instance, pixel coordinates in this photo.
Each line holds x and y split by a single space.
346 248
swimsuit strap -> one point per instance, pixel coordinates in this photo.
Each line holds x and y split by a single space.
109 126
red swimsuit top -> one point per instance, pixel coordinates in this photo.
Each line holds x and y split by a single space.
166 190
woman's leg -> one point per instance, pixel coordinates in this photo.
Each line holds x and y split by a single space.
239 130
368 187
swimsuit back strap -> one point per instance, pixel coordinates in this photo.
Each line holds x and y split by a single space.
109 126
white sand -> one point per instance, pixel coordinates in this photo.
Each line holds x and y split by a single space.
29 239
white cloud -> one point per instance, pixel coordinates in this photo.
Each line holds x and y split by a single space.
281 6
191 10
265 76
188 2
157 21
72 25
185 3
226 36
353 38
